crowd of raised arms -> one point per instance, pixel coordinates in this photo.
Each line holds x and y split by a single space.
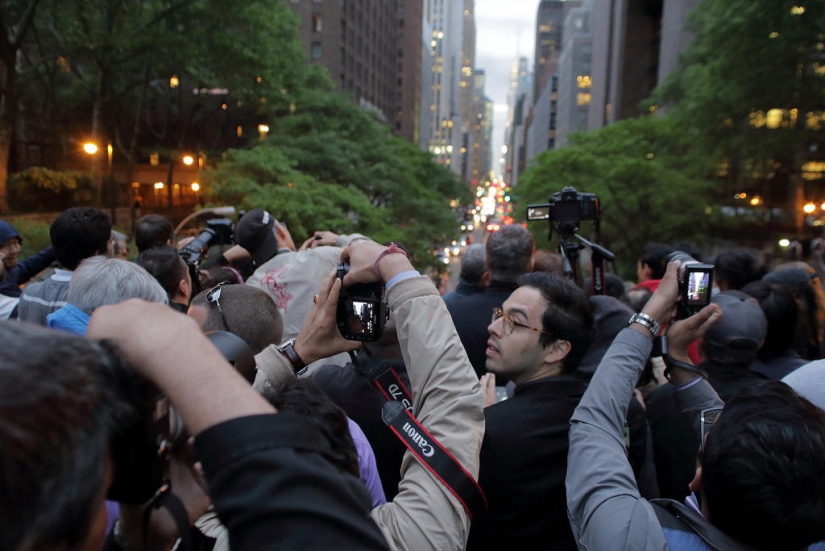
161 404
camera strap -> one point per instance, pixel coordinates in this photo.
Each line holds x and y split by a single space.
397 415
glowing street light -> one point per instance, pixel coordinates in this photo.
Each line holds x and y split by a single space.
158 185
188 160
784 242
90 148
196 187
809 208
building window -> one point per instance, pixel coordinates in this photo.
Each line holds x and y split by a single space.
316 22
582 98
583 81
315 53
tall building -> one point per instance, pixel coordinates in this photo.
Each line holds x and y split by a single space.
629 56
444 123
408 89
541 135
575 79
516 115
467 85
481 125
370 49
550 18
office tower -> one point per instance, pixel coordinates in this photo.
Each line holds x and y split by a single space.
575 79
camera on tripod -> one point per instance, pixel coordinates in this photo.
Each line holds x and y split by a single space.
566 206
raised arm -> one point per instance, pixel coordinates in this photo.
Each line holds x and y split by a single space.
603 502
447 401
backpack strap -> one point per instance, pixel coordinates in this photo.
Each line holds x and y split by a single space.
677 516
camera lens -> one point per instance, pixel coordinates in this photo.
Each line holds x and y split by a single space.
684 257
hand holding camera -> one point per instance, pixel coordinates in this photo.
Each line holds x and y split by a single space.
319 336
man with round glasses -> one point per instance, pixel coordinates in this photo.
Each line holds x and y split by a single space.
536 339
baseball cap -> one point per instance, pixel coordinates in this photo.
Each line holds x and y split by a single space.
7 232
737 336
253 232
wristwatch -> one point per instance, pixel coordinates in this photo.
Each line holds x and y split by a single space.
647 322
288 350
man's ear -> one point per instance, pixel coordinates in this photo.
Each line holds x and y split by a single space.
557 351
484 281
184 289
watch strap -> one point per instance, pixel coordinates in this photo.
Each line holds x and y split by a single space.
647 322
670 363
288 350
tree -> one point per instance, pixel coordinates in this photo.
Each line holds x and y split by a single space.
638 170
327 164
162 75
15 22
751 96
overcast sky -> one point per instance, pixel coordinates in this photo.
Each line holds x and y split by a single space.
505 30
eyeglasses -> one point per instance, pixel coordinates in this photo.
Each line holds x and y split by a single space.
707 417
214 296
510 324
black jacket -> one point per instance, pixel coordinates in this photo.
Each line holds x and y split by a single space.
523 465
471 316
675 444
273 492
347 388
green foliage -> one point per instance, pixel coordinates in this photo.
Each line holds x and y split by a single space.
749 57
637 169
39 189
35 235
330 165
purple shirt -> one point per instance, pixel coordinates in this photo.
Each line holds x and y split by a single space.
366 461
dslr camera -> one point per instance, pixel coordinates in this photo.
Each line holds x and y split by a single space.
362 310
218 231
695 284
566 206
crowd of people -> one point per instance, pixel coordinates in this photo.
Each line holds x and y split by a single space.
160 404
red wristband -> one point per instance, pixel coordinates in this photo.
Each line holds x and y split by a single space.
392 249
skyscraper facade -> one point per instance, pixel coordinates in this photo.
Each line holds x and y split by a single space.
550 18
444 125
574 70
371 48
629 56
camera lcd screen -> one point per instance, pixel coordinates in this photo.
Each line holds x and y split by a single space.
362 317
541 212
698 287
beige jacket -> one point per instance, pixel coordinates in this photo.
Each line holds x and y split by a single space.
447 400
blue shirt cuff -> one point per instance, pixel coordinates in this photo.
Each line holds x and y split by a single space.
401 277
688 384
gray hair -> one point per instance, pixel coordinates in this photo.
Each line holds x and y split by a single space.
510 253
99 281
472 263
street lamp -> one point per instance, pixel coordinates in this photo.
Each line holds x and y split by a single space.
188 160
91 149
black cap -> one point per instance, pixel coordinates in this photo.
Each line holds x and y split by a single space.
737 336
253 232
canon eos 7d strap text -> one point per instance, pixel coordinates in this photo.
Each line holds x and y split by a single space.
397 415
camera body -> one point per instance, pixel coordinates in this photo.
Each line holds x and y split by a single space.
566 206
695 284
362 310
218 231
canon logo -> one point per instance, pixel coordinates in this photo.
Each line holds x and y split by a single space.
426 448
